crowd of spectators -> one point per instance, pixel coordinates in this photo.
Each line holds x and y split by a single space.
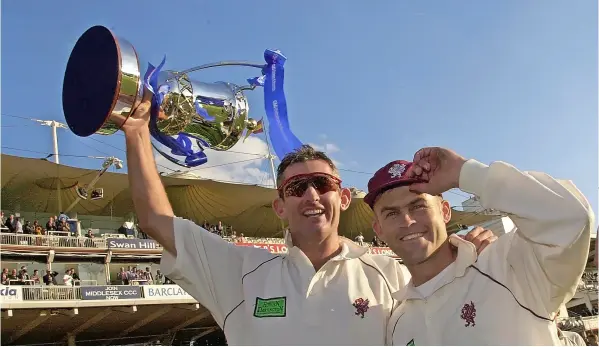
59 223
588 282
376 242
22 277
133 275
224 231
14 224
130 276
229 233
589 277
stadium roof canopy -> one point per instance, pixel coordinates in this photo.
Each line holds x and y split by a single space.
30 185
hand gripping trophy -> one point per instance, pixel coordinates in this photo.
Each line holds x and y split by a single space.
103 85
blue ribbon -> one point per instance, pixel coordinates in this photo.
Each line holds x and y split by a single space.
282 138
181 145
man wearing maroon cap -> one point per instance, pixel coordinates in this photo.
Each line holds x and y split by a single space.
507 294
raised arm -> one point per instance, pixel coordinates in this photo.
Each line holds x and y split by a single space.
205 265
149 197
549 249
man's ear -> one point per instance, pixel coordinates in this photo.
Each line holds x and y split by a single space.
445 211
345 198
377 228
279 206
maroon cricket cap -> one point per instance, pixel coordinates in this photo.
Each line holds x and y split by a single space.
389 176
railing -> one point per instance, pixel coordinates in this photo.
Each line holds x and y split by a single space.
85 282
86 242
51 241
51 293
101 242
588 286
12 294
269 240
21 282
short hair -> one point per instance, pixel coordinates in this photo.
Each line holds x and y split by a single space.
303 154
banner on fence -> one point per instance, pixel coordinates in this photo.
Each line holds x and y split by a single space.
382 251
11 293
276 248
279 248
110 292
165 291
132 244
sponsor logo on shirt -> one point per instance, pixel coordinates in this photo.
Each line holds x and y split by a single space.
273 307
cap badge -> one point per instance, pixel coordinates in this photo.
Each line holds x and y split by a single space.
397 170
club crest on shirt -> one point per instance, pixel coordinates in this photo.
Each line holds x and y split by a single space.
397 170
468 314
361 306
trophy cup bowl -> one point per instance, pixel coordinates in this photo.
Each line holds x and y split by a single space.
103 85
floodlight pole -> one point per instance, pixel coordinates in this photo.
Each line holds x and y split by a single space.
55 125
55 141
271 158
105 166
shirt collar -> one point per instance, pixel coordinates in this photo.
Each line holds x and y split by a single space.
466 256
349 249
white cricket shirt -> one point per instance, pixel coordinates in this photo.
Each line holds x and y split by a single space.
509 293
259 298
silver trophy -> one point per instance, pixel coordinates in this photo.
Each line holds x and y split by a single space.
103 85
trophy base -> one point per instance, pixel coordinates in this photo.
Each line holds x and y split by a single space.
101 84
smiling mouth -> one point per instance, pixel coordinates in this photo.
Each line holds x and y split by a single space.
313 213
412 236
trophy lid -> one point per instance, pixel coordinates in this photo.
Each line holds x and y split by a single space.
100 84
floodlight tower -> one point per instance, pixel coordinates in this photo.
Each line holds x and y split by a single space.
82 192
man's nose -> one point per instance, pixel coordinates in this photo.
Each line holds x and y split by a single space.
406 220
312 194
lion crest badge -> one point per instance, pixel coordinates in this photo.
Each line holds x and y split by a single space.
397 170
468 314
361 306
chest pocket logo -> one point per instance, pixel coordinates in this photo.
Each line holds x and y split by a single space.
273 307
361 305
468 314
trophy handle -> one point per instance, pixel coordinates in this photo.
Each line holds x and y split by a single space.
218 64
246 87
221 63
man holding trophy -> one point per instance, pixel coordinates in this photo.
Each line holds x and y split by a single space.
326 291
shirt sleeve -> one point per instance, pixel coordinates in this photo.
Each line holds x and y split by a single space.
548 251
207 267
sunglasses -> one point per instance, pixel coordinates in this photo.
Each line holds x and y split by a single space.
297 185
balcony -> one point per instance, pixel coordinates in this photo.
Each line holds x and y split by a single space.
37 293
52 241
88 315
58 296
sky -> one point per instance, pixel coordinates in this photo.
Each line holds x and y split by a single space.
367 81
